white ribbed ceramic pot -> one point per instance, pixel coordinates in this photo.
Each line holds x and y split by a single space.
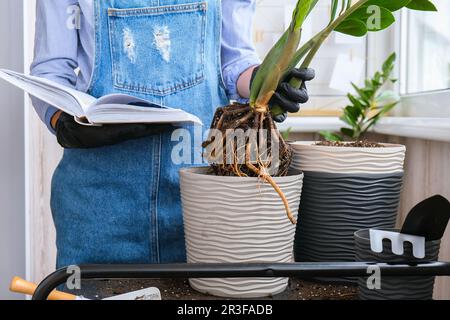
344 189
310 157
238 220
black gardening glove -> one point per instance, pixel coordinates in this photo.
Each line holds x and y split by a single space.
288 97
72 135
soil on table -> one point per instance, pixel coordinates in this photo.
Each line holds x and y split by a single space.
354 144
179 289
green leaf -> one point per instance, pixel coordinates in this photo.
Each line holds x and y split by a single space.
388 65
354 101
388 108
351 114
391 5
386 97
353 27
382 112
365 94
354 112
377 76
348 132
329 136
313 5
422 5
374 120
301 11
357 115
348 120
286 134
374 18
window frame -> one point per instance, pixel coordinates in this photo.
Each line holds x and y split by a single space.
435 103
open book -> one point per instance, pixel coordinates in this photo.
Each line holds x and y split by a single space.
87 110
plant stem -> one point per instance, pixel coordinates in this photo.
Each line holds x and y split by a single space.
277 60
319 38
299 55
311 48
343 7
372 106
328 30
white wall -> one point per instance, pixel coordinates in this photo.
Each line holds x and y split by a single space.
12 189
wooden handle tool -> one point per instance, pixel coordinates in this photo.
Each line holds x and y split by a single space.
19 285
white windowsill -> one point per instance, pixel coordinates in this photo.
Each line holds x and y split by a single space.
422 128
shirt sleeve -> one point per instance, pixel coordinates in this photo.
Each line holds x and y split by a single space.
238 52
55 52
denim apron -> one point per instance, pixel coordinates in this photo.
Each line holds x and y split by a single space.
121 204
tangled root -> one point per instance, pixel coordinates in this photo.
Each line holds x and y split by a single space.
239 116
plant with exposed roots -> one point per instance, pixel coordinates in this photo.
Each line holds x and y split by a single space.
355 18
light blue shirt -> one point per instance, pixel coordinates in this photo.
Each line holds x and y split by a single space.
66 55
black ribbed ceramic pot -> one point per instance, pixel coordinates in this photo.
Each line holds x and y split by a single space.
345 189
395 288
335 206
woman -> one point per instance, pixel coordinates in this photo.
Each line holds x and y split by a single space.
115 193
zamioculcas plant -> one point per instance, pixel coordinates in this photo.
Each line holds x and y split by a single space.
355 18
368 106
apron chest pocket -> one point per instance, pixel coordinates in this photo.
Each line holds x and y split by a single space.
158 50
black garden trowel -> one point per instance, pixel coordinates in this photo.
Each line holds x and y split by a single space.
428 219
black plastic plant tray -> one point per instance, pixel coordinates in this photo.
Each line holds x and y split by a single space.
303 270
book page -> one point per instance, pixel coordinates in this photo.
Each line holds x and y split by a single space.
124 100
113 108
67 99
119 113
58 99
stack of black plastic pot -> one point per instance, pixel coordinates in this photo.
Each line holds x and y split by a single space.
418 241
345 189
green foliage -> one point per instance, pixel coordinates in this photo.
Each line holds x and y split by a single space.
330 136
368 105
353 27
390 4
287 133
366 18
422 5
355 18
350 20
277 60
302 11
376 15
